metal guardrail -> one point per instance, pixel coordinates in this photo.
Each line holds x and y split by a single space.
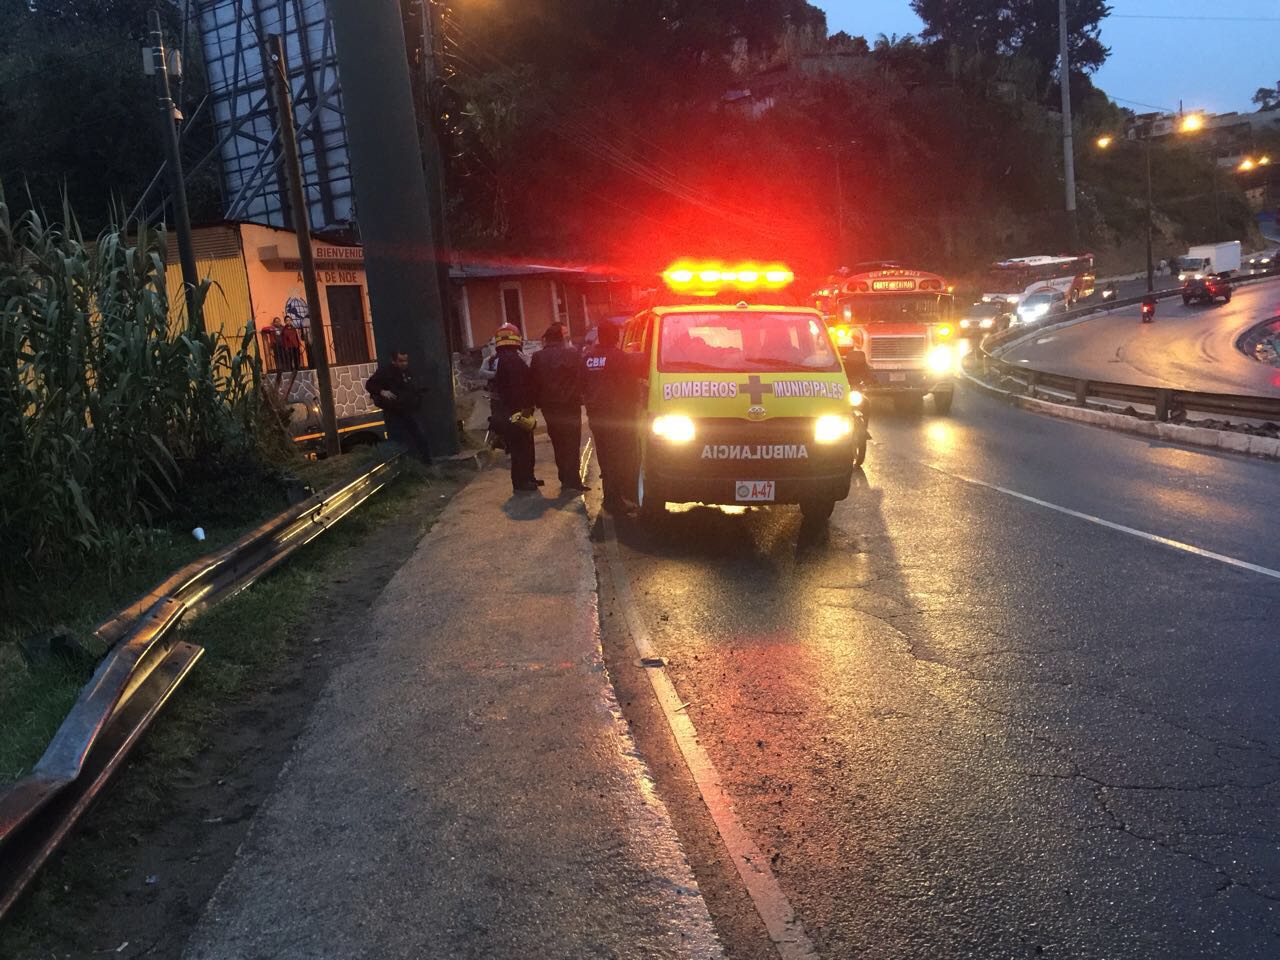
145 666
1167 403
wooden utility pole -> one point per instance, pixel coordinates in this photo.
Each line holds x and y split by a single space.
157 60
277 74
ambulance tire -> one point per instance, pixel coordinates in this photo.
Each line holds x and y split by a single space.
942 402
860 448
816 511
650 506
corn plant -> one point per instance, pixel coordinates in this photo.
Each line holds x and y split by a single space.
109 402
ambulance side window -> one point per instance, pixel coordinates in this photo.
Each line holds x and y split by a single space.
635 338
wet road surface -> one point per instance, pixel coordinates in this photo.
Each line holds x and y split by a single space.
1186 348
966 725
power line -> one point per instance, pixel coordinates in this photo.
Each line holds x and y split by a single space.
1162 16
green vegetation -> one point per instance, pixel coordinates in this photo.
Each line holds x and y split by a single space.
115 417
604 132
247 639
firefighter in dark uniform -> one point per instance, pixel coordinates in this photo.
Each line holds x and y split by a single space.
511 410
609 390
557 381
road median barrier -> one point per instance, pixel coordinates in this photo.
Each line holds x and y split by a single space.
145 665
1069 398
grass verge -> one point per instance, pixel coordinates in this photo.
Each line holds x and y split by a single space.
35 696
255 645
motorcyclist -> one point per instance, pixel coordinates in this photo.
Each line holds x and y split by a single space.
1148 308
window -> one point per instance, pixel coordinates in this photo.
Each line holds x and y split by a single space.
347 324
732 342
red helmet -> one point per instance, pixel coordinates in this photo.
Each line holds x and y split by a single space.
508 335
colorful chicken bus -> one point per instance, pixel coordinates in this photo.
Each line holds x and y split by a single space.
901 322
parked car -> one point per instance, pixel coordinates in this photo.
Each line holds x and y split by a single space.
1041 304
984 318
1263 262
1207 289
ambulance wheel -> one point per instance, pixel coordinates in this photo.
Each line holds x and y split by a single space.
942 402
649 503
817 511
908 402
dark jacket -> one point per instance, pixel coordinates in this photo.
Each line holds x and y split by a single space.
512 385
610 379
400 382
557 376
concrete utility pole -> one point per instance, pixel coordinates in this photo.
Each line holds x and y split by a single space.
393 203
1068 149
169 117
277 73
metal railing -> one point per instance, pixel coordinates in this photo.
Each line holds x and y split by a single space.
145 666
1167 403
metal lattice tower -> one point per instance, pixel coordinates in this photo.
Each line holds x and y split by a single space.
231 32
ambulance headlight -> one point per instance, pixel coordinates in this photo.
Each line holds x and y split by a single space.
941 359
832 428
986 323
673 428
855 398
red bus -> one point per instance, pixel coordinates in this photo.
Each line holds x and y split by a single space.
901 320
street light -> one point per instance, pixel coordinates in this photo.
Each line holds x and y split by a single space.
1191 123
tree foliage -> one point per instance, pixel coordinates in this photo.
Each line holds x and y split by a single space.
1023 29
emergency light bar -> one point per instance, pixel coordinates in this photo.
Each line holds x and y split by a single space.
706 279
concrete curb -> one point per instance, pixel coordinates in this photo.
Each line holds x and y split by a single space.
1205 437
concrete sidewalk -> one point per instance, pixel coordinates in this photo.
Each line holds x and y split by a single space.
466 786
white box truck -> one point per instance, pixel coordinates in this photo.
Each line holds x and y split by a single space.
1207 258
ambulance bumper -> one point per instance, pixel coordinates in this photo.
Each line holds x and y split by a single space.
686 489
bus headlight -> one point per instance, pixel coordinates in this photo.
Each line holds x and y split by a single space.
855 398
941 359
832 428
673 428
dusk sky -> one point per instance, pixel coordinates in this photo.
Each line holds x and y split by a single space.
1215 63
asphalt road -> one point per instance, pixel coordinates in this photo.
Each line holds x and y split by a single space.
1186 348
969 725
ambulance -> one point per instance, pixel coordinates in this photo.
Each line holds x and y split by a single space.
745 399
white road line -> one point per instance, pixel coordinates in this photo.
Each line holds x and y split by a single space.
785 930
1112 525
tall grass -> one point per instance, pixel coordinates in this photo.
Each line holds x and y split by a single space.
112 408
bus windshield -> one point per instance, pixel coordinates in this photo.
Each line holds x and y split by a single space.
900 308
735 341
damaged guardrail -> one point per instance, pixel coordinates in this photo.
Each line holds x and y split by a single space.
144 667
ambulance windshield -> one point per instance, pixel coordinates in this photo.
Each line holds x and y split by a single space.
734 341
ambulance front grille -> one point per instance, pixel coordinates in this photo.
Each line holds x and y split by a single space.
896 348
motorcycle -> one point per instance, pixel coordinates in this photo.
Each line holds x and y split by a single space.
1148 310
1109 292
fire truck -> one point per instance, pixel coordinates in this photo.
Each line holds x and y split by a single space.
899 323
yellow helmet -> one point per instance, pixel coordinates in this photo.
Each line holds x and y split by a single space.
508 335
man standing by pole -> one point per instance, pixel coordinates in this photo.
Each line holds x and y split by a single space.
169 117
278 81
